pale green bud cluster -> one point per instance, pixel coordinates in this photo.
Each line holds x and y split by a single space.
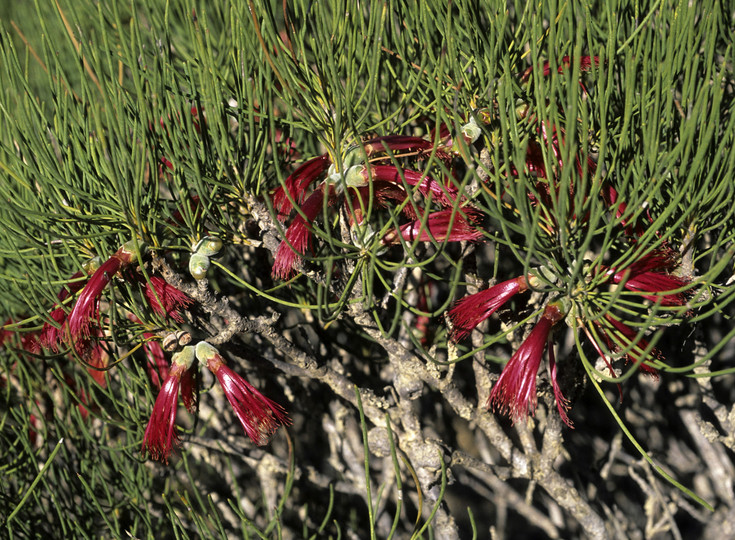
204 249
209 246
198 266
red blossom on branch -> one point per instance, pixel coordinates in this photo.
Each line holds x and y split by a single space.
650 274
165 299
260 417
382 182
299 234
93 352
618 336
297 185
612 198
441 226
443 193
53 334
585 63
157 365
160 435
397 143
515 391
471 310
86 309
28 341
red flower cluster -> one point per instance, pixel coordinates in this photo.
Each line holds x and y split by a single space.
471 310
166 300
515 391
370 179
81 328
648 277
259 416
11 334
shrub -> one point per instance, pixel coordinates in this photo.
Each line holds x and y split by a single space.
372 224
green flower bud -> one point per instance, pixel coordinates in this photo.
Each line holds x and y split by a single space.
208 246
522 109
184 357
198 266
353 177
471 130
129 246
205 352
127 252
91 266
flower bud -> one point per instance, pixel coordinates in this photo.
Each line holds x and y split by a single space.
91 266
170 342
129 246
205 352
184 337
354 176
208 246
175 340
185 357
471 130
198 265
362 235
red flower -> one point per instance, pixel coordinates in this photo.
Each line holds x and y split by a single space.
160 435
650 274
515 391
29 341
444 225
92 350
195 116
585 62
298 235
297 184
471 310
260 417
610 196
157 365
662 284
387 183
552 137
87 306
444 194
53 334
167 163
397 143
5 335
166 300
618 336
